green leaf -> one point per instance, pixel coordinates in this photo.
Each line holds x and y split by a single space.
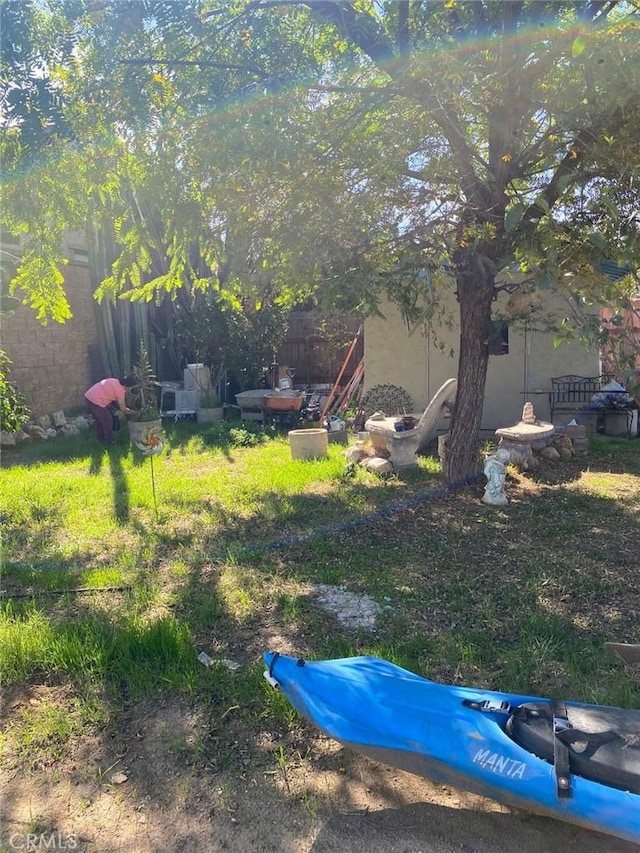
513 217
598 240
542 203
564 181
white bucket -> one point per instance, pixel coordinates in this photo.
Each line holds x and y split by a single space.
308 443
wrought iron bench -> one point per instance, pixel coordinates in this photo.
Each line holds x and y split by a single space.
575 395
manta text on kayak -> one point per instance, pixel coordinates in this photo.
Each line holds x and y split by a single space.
500 764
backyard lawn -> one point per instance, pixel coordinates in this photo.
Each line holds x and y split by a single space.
118 571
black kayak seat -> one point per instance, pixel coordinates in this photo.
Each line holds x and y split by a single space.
603 743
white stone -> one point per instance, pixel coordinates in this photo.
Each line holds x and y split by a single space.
355 454
350 609
561 441
551 454
377 465
35 431
69 429
59 419
538 444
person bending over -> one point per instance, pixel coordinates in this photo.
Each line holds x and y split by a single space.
100 396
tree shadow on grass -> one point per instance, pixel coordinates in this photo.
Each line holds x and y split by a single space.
113 454
120 486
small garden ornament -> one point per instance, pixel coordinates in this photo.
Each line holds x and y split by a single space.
495 470
151 444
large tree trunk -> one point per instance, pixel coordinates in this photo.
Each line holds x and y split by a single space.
476 290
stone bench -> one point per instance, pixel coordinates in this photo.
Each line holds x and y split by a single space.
401 448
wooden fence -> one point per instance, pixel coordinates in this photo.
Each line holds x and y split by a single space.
316 346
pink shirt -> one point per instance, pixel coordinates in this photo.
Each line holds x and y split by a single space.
106 391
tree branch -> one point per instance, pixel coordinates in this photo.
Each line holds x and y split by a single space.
360 28
568 166
200 63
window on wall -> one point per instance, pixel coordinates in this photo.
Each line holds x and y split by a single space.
498 337
79 256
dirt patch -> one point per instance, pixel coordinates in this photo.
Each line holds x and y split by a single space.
148 786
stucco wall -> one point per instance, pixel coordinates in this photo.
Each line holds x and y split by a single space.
421 364
52 365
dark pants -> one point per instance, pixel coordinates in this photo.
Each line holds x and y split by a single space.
104 421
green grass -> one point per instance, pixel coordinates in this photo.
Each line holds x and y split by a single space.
520 598
46 729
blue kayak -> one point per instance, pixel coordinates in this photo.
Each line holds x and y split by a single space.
576 762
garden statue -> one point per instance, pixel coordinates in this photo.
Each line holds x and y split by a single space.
495 470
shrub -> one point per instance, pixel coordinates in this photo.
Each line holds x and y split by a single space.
225 434
13 408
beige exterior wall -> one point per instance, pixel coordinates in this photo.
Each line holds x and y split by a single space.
52 364
421 364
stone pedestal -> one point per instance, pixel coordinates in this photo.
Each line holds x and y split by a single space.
517 439
399 447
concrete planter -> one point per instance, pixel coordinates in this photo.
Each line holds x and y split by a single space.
308 443
208 416
616 423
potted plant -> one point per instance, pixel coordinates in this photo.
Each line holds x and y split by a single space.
209 408
143 399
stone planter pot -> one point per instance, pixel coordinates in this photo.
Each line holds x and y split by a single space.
308 443
616 423
139 431
207 416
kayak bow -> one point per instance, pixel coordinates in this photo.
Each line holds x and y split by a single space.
575 762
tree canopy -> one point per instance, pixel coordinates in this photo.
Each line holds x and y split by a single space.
264 149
